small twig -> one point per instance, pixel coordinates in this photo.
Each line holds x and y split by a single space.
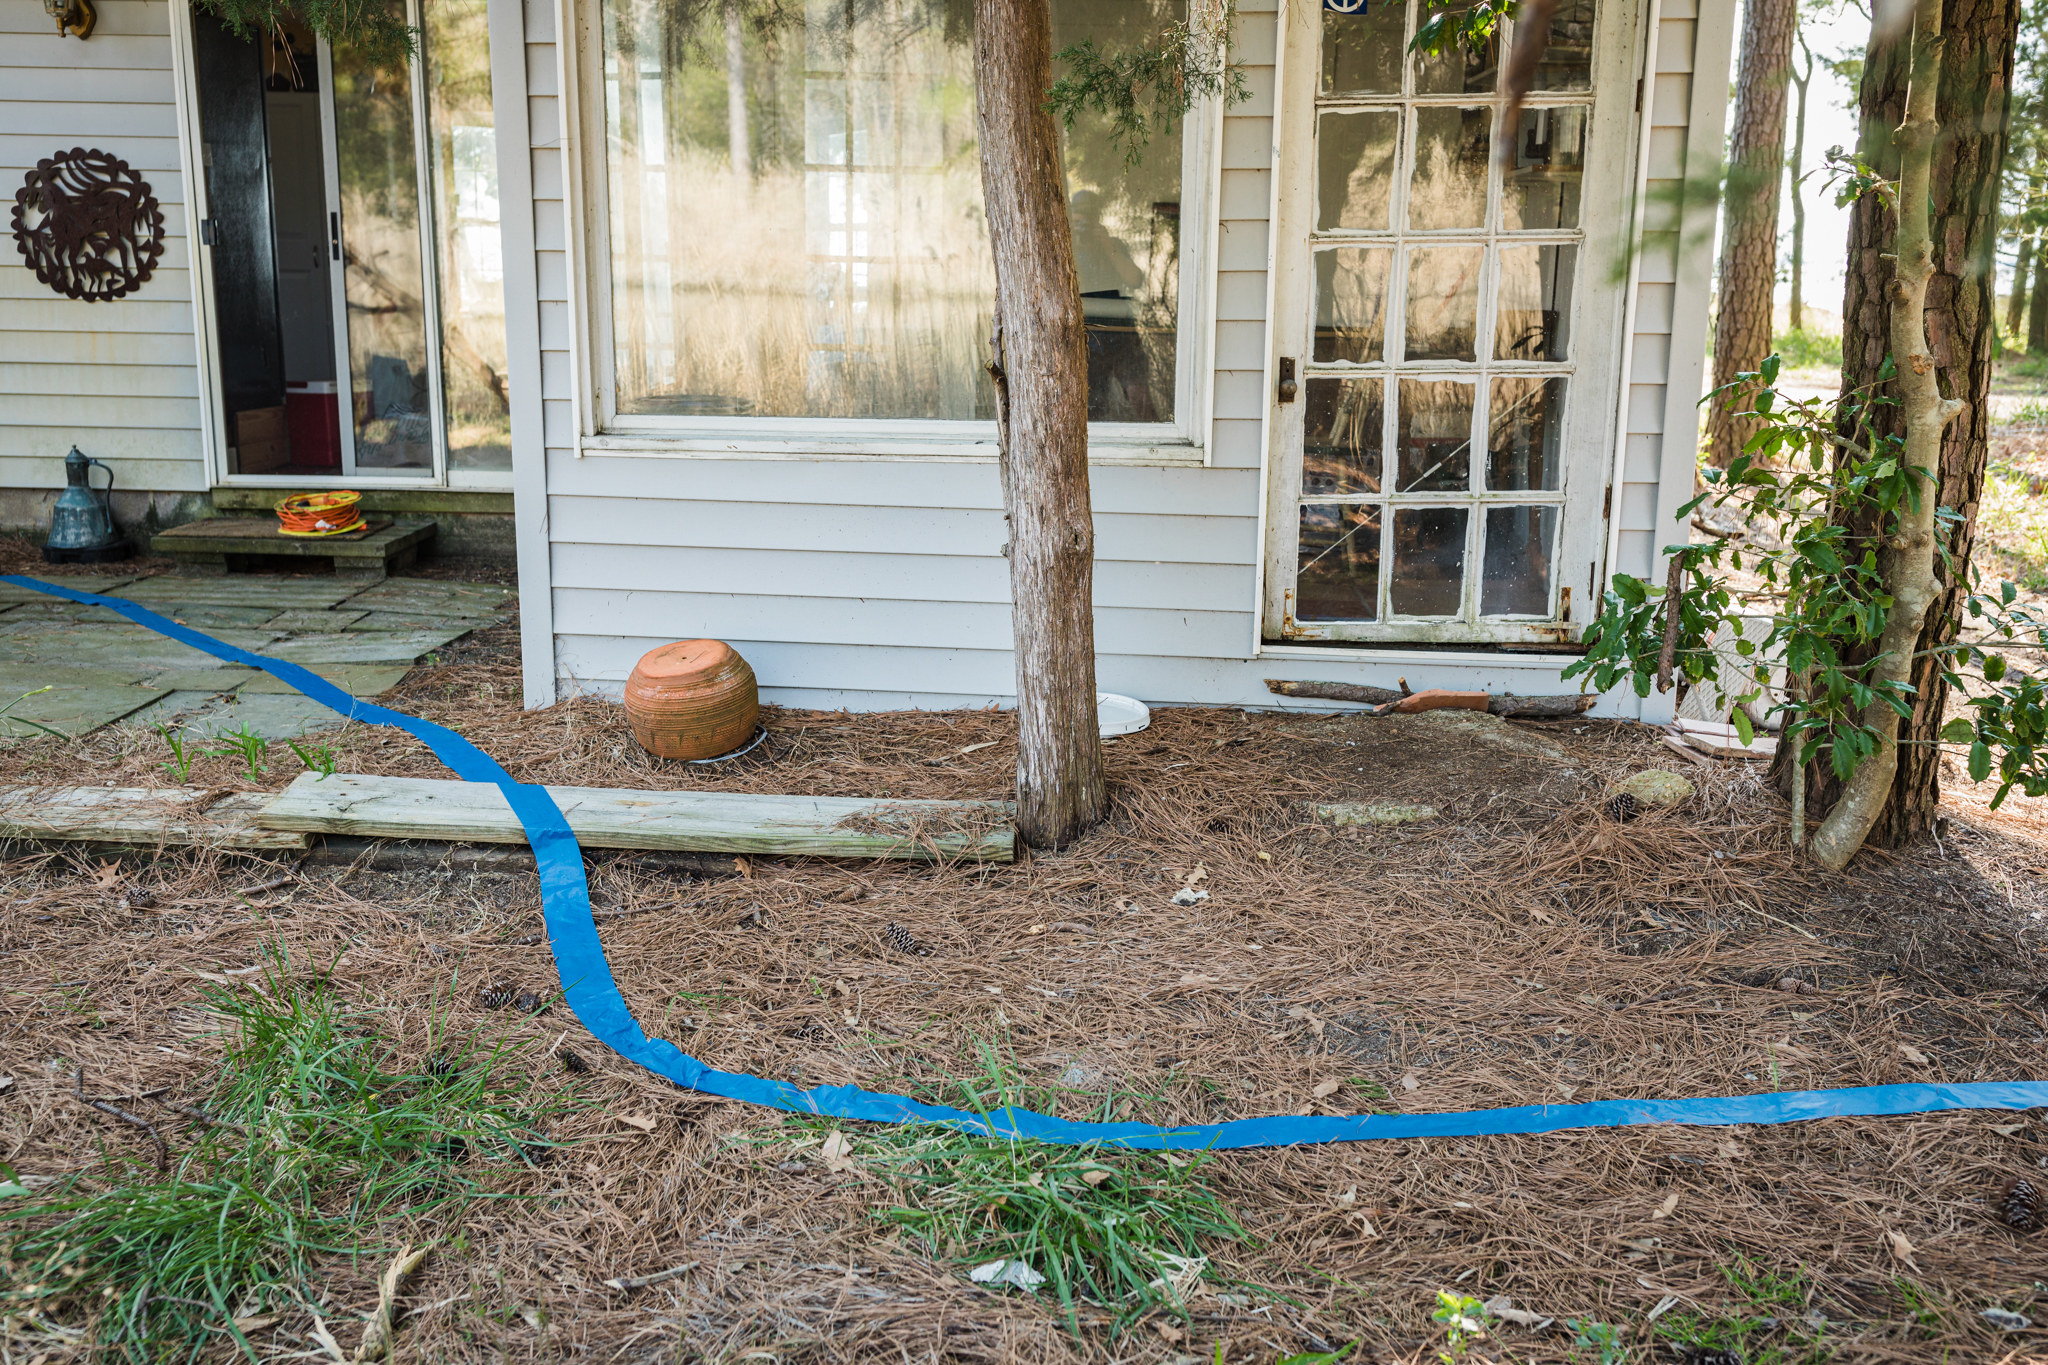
658 1277
1671 994
273 884
193 1111
163 1153
139 1095
1673 576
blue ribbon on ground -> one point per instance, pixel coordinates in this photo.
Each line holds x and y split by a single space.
590 991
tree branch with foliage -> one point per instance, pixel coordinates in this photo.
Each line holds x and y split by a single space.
375 28
1148 90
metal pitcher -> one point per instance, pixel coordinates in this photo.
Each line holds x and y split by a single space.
82 524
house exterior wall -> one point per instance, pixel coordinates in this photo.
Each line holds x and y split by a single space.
120 380
878 582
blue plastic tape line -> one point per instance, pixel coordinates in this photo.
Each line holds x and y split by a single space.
594 996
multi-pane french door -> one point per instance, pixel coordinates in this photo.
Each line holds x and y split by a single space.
1447 316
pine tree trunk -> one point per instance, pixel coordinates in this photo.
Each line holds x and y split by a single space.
739 145
1749 253
2037 311
1969 153
1040 366
2016 301
1908 554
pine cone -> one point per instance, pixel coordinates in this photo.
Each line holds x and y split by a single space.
899 938
2021 1207
497 995
572 1063
1624 807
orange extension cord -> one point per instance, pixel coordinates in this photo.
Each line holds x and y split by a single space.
320 514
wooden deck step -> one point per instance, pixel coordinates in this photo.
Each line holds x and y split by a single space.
144 816
712 822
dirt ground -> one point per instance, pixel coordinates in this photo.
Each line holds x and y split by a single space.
1522 947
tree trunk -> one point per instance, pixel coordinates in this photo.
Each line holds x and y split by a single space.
1969 154
1795 170
1040 368
2016 301
739 145
2037 311
1907 559
1749 253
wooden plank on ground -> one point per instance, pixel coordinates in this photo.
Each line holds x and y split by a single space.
712 822
364 647
275 591
141 815
434 597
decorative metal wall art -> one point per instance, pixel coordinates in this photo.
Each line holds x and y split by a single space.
88 225
75 17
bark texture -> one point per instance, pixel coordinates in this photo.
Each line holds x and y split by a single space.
1961 322
1040 366
1749 253
1907 560
2037 312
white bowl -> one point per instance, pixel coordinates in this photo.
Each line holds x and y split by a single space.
1116 715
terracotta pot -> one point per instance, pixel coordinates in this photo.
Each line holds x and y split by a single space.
692 699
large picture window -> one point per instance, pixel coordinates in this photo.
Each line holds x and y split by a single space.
794 214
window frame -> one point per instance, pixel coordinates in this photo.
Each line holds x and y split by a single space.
601 429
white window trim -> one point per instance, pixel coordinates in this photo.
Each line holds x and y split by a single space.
1186 441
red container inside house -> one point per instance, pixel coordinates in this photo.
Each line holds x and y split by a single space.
313 416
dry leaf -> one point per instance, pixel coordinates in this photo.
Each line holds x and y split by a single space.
1408 1082
1541 916
1325 1089
640 1121
1263 857
838 1147
1901 1248
745 867
985 744
840 987
1668 1207
1567 1090
1348 1198
1036 929
1200 874
1174 1336
376 1343
108 876
1197 979
2006 1129
1093 1178
1913 1054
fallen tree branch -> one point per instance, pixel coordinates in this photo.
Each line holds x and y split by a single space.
163 1152
658 1277
1525 708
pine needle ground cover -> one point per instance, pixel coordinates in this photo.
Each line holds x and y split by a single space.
1524 946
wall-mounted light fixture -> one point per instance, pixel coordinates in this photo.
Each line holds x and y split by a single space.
75 17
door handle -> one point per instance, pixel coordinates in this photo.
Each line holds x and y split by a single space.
334 234
1288 388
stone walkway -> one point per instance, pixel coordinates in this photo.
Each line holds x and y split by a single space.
101 670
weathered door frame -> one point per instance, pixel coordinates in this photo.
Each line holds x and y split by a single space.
1606 281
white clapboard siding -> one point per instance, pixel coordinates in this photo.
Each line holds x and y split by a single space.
881 582
119 380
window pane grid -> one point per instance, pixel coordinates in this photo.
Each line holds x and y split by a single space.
1441 319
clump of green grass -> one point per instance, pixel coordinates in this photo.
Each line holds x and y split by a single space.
1808 350
317 1133
1773 1331
1125 1230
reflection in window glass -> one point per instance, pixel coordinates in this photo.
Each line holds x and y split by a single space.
383 282
1433 432
1351 303
1355 170
1448 187
796 215
1343 425
1516 579
1568 59
469 260
1533 303
1458 70
1429 561
1337 577
1362 50
1542 190
1525 422
1443 302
